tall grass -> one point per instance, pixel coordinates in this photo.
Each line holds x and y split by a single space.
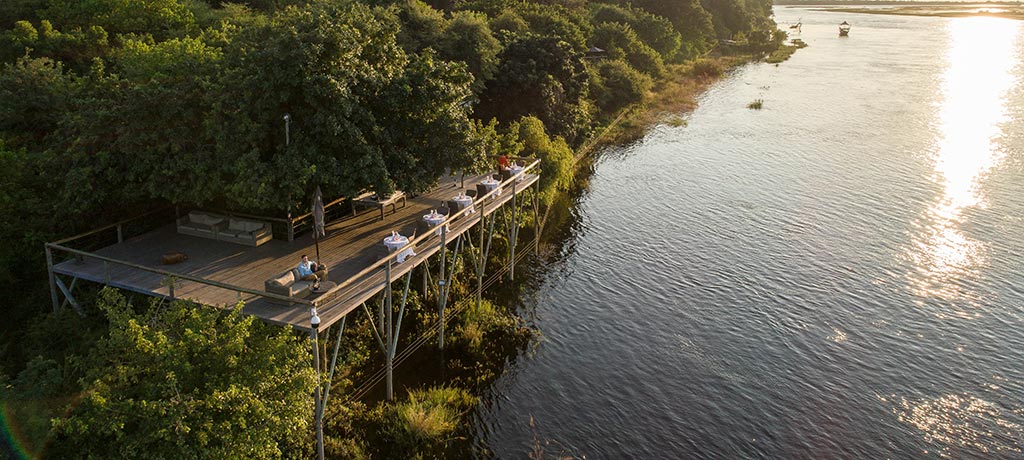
756 104
425 422
705 68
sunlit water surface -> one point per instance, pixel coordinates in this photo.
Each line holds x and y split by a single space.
838 275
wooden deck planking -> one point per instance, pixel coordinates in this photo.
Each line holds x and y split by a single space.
352 244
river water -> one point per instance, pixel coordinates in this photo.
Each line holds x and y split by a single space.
836 276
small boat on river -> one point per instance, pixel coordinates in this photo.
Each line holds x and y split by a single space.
844 29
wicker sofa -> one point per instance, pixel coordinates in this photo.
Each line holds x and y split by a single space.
201 224
288 283
247 232
224 228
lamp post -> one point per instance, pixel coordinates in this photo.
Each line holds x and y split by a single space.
314 323
287 120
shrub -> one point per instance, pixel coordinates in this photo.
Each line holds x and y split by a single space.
706 68
756 104
615 85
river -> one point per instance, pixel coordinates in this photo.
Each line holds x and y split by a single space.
835 276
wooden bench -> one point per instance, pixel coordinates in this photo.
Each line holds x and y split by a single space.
371 199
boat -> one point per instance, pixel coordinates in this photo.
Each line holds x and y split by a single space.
844 29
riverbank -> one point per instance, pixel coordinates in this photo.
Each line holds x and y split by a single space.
672 96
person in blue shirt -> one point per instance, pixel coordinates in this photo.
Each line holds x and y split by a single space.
312 271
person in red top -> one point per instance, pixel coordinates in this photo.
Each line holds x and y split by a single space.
503 162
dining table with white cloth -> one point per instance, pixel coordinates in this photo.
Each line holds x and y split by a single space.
491 184
465 202
394 242
516 169
435 219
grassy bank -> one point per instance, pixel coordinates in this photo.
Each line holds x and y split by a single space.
671 96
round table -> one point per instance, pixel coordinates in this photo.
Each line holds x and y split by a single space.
434 219
394 243
516 169
491 184
464 202
324 287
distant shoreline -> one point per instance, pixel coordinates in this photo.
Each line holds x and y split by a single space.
901 3
931 9
1014 13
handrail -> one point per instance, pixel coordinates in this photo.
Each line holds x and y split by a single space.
420 238
113 225
158 271
250 216
328 205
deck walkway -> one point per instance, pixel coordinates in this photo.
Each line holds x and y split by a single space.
352 245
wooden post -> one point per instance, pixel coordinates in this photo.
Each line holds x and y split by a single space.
441 291
388 354
53 278
536 219
314 324
512 237
480 266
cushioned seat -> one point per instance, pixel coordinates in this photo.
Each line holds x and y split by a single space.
201 224
288 283
247 232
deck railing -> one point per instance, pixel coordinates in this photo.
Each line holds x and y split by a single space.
480 208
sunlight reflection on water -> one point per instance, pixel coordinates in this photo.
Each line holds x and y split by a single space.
982 57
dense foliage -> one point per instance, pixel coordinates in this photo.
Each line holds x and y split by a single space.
111 107
173 382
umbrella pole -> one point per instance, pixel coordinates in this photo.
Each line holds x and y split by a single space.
316 242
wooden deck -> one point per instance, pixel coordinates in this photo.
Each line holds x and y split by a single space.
352 245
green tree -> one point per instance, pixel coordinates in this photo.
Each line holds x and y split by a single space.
364 113
620 42
160 18
655 31
544 77
468 38
182 381
422 25
555 155
35 93
690 19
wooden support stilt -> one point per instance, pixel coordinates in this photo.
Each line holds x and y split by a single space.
512 238
441 286
536 219
68 296
389 353
53 279
330 372
318 425
480 259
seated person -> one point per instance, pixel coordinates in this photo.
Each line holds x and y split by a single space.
502 162
312 271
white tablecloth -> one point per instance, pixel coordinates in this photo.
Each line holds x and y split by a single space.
394 243
516 169
491 184
435 220
465 202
